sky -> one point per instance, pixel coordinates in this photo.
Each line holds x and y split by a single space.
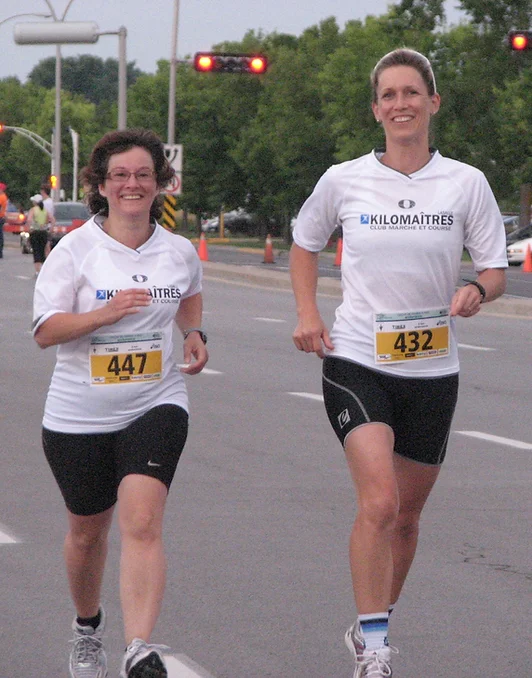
202 23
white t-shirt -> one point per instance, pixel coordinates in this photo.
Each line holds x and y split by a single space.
104 381
403 238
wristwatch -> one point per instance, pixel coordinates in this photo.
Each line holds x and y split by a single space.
480 288
202 334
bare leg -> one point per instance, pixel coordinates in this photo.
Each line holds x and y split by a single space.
85 551
141 502
415 482
369 452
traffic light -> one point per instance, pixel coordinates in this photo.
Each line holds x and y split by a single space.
520 41
2 127
53 181
225 62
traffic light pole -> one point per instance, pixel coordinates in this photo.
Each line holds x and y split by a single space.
173 75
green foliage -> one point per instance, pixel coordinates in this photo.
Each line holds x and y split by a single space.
262 142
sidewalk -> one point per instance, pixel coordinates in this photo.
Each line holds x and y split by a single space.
253 275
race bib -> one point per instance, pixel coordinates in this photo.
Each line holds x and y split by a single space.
125 358
415 335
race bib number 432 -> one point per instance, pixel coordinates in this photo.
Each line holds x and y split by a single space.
411 336
125 358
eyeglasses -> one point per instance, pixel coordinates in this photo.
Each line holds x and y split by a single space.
143 176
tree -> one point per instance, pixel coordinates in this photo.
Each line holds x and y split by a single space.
90 76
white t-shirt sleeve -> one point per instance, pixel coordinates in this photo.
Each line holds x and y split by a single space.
55 287
318 216
484 235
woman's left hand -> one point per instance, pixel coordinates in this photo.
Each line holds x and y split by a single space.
466 301
193 347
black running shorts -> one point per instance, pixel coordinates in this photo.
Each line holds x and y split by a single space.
89 467
419 411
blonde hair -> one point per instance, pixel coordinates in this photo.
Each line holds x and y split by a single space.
404 57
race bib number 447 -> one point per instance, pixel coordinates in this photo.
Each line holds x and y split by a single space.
125 359
414 335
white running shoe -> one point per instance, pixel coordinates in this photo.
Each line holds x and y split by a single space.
375 663
87 658
143 660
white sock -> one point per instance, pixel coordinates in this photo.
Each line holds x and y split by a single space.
374 629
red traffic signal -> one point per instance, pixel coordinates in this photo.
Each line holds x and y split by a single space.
2 127
519 41
225 62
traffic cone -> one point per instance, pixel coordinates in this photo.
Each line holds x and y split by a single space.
527 263
339 248
268 251
202 249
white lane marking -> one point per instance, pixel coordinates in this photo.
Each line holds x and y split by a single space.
497 439
24 277
184 668
476 348
310 396
269 320
5 538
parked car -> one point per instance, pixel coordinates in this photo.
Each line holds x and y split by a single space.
517 251
15 218
519 234
68 216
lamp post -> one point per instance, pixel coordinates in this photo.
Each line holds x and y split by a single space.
56 192
173 70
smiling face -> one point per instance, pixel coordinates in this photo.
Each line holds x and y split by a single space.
404 106
131 197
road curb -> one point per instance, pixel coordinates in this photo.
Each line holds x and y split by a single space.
263 277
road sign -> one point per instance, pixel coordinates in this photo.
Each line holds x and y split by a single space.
174 155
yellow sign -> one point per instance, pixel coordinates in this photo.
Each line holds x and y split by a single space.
125 359
411 336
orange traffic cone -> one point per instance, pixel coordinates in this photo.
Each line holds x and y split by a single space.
268 251
339 248
527 263
202 249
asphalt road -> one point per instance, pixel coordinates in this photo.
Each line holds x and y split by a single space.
260 511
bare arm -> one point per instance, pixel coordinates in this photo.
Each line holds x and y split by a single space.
189 315
63 327
466 300
310 334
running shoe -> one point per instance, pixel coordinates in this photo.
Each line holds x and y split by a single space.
375 663
355 640
87 658
143 661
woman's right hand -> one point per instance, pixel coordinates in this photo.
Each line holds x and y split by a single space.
125 302
312 336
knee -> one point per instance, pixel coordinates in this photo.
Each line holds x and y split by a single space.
407 525
87 539
142 525
380 512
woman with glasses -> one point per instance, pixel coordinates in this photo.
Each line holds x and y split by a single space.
116 415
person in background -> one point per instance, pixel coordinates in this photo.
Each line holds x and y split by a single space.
38 222
50 208
3 209
116 414
390 368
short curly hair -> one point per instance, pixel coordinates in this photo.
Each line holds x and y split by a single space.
120 141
